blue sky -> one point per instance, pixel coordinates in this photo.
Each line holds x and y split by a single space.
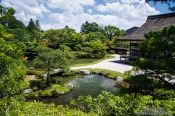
59 13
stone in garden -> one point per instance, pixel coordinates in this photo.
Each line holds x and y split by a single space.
45 76
70 85
119 79
32 68
28 91
85 72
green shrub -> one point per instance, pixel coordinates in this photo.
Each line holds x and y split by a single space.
54 91
111 52
68 72
40 84
35 72
19 108
45 93
107 104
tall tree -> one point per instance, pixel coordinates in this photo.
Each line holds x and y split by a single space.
38 25
7 18
90 27
31 26
158 51
49 59
111 31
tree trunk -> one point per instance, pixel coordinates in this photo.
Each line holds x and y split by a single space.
48 81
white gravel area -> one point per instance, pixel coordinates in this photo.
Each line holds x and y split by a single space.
110 64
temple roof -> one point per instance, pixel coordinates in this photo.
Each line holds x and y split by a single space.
153 23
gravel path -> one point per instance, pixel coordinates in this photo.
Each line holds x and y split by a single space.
110 64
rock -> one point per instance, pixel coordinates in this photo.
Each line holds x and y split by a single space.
76 72
85 72
45 76
28 91
32 68
57 70
99 73
119 79
70 85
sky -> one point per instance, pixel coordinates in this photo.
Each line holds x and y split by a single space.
55 14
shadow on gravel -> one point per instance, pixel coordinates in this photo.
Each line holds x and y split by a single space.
124 62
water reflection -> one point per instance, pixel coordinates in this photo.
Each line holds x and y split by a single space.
89 85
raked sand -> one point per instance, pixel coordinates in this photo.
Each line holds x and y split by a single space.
110 64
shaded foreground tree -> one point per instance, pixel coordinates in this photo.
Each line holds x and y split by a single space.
107 104
49 59
12 73
158 51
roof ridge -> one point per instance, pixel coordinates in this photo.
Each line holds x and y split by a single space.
161 15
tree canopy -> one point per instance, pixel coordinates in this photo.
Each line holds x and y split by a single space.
90 27
158 51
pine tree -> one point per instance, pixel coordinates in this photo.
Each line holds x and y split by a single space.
31 26
38 25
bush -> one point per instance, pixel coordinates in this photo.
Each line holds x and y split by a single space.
54 91
68 72
107 104
39 84
35 72
45 93
20 108
111 52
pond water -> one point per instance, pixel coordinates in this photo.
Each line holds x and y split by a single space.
88 85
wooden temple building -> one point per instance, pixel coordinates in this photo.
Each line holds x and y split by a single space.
153 23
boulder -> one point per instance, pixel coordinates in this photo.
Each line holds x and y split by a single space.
32 68
28 91
85 72
119 79
70 85
45 76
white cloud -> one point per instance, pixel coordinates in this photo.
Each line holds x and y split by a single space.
26 9
59 13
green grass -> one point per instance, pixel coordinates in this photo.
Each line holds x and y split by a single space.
109 73
84 62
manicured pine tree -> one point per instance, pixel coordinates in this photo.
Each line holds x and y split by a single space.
31 26
37 24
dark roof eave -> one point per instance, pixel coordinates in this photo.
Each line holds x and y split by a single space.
119 39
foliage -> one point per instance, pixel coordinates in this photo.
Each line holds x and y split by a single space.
10 49
31 26
90 27
111 31
12 74
158 51
86 61
12 71
66 36
20 108
37 84
35 72
93 49
54 91
8 19
49 59
107 104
